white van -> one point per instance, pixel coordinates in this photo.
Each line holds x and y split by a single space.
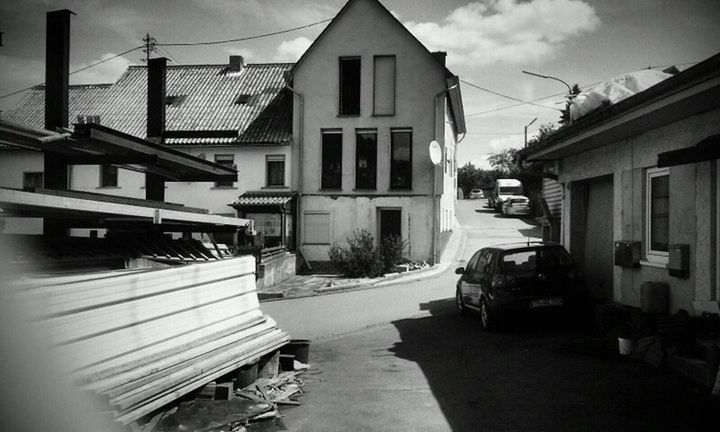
509 191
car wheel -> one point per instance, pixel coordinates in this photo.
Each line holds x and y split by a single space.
487 318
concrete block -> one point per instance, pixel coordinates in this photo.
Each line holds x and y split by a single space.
269 365
224 391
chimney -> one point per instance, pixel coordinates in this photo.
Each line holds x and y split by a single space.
237 63
57 68
440 56
156 99
155 184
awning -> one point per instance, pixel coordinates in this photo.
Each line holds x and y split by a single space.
263 199
705 150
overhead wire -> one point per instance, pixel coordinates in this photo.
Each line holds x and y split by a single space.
496 93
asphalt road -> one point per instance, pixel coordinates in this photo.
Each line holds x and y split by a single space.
399 358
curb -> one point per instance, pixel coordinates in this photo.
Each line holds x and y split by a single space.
426 273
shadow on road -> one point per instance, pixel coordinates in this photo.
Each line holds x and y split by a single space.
485 210
541 377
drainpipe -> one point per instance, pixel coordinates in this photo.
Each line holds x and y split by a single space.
435 196
298 212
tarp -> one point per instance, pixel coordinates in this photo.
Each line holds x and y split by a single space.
614 90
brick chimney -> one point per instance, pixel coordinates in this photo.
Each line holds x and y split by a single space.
237 63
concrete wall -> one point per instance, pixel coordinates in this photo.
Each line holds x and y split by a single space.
692 218
365 31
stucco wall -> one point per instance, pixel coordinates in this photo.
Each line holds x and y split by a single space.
365 31
691 185
348 214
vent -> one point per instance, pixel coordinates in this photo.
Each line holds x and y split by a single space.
243 99
175 100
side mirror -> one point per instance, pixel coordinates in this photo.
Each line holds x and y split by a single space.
460 270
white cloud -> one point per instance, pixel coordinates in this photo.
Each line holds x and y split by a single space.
290 51
507 31
107 72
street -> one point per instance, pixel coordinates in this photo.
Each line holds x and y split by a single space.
398 358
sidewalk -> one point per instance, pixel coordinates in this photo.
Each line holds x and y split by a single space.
318 284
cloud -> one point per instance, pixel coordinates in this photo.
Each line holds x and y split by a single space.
290 51
507 31
107 72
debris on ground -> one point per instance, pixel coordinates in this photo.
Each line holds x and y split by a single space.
203 415
277 390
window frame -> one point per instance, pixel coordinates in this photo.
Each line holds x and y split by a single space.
409 185
653 255
274 159
341 113
394 79
102 184
373 186
224 184
323 177
27 174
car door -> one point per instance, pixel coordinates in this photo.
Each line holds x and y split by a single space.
467 277
475 280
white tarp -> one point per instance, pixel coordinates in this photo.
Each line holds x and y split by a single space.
614 90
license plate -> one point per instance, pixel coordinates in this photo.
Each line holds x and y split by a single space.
554 301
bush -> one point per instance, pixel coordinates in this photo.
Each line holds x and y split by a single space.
361 258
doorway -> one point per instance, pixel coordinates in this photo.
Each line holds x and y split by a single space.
390 223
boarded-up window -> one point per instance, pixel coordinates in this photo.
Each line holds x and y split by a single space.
317 228
331 160
384 86
366 160
349 85
401 159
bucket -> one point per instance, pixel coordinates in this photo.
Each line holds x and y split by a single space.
300 348
625 346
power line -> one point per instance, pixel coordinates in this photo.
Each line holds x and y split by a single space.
506 96
247 37
170 55
78 70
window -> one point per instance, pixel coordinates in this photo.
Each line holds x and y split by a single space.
350 86
108 176
32 180
316 228
365 160
228 161
384 86
242 99
401 159
657 220
331 160
275 169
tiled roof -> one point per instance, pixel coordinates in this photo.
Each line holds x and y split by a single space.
30 111
208 95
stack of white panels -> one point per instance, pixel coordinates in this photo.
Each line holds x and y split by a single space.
141 339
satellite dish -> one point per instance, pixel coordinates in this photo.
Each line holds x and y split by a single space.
435 152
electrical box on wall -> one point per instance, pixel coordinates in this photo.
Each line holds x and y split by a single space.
679 260
627 253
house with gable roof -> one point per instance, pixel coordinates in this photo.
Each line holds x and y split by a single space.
369 99
234 114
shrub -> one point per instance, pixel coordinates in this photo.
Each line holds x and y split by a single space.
361 258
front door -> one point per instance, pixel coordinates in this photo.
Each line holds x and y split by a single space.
390 223
598 250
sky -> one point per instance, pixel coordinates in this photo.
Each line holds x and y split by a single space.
489 44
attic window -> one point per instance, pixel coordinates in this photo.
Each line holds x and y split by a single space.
243 99
174 100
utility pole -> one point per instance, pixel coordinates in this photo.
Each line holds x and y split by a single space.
526 130
149 46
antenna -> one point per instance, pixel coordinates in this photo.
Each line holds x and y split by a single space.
150 47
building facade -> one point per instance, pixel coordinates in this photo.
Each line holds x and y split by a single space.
369 100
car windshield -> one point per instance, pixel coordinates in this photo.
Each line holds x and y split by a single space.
531 260
476 191
510 190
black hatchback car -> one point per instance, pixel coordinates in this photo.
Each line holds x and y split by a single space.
518 277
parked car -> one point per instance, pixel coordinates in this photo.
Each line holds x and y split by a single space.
476 194
505 189
501 280
516 206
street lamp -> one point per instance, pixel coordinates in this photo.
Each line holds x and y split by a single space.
533 121
548 77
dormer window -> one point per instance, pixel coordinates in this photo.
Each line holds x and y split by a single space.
243 99
174 100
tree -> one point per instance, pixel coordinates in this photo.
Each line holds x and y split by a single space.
504 161
544 131
565 113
